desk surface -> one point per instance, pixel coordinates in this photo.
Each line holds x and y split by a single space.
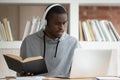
49 79
11 78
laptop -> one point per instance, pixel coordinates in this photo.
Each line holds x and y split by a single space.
89 63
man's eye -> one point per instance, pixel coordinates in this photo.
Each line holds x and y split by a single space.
60 23
64 23
57 23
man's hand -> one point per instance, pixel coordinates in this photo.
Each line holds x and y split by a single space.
23 73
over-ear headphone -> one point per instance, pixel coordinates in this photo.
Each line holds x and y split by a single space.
43 20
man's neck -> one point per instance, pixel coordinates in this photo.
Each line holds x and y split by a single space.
48 35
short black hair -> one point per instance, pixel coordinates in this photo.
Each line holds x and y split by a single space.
56 9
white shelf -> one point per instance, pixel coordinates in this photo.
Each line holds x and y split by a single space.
84 44
100 45
63 1
10 44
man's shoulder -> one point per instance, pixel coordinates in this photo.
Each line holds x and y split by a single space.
73 40
34 36
69 37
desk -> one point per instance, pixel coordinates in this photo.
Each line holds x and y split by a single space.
67 79
11 78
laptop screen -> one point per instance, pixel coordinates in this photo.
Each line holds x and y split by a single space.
90 63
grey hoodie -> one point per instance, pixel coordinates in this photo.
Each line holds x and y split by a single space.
58 53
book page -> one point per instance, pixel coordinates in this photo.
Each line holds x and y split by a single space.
14 57
32 58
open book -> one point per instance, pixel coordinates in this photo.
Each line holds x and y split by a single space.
34 65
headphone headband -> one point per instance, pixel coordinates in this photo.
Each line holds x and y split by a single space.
50 7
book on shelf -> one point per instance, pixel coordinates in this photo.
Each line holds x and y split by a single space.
27 29
90 30
95 30
86 32
35 65
2 32
8 31
98 30
114 31
102 37
32 26
106 78
38 27
111 31
105 30
81 37
6 28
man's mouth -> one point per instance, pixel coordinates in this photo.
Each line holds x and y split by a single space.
60 32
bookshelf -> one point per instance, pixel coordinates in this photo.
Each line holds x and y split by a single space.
99 17
21 13
18 19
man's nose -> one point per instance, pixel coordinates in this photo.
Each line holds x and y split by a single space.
61 26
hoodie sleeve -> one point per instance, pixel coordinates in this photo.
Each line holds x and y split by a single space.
78 44
23 49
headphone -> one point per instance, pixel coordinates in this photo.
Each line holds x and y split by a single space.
43 20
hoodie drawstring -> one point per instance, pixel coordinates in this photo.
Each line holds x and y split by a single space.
45 47
56 49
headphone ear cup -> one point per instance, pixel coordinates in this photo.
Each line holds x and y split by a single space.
45 22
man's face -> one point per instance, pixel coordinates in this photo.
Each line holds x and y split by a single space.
56 25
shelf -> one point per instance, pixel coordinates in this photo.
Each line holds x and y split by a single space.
100 45
84 44
64 1
10 44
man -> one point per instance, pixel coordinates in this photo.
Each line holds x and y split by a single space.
53 43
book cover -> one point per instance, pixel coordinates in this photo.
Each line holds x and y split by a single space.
35 65
111 31
90 30
105 30
6 28
27 29
114 30
86 32
95 30
98 25
81 37
34 24
10 31
2 32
